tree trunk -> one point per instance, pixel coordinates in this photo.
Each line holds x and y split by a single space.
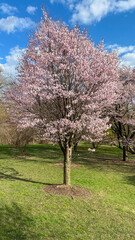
124 153
75 147
93 145
119 145
67 165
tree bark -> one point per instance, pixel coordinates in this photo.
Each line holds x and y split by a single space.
93 145
75 147
67 165
124 153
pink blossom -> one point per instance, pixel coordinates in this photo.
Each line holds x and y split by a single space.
63 84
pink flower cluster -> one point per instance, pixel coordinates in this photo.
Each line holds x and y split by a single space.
63 83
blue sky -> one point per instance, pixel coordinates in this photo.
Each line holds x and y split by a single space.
113 20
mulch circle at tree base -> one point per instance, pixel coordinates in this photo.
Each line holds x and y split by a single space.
71 190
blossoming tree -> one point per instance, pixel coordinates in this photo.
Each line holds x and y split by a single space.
122 113
64 81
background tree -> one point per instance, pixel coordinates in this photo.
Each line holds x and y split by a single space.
10 135
3 82
8 129
3 114
64 81
123 112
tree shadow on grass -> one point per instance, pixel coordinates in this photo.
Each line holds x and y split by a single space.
41 151
12 175
44 160
16 224
130 180
45 156
103 162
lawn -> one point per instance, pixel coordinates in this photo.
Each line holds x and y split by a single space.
28 213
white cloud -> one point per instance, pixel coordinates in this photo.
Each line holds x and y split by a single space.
9 68
69 3
31 9
122 6
89 11
129 59
127 54
121 50
60 1
7 9
12 24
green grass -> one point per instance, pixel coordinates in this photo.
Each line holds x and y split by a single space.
27 213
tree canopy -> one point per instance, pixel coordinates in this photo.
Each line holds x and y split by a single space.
64 82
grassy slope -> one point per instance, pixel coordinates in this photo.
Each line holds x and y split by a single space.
26 212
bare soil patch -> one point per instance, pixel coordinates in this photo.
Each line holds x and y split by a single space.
21 156
120 162
72 190
73 165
